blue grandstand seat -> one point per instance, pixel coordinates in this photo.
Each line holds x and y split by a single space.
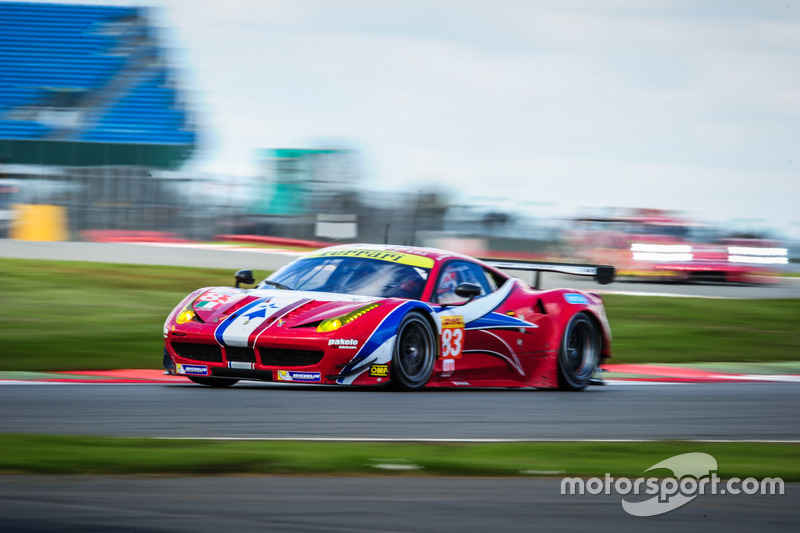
49 51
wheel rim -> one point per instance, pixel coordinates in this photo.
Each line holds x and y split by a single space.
582 348
415 350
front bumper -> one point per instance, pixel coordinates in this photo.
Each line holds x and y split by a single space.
293 365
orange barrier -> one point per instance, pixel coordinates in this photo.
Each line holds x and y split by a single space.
39 223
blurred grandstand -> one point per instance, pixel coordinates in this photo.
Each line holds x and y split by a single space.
88 105
87 86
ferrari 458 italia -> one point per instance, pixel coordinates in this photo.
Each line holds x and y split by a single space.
408 317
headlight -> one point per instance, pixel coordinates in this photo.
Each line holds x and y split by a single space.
187 314
758 256
661 252
332 324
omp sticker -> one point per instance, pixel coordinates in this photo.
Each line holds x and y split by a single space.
191 370
576 298
380 371
452 336
299 377
381 255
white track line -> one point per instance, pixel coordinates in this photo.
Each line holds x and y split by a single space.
476 441
667 295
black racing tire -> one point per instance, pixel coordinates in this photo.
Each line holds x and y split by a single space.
217 383
579 354
415 352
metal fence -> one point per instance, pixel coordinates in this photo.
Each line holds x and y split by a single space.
136 203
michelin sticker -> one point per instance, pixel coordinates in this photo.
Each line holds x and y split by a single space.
299 377
191 370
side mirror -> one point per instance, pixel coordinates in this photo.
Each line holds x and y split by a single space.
245 277
468 290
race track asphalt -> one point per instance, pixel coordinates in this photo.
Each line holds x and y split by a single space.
738 411
382 503
116 504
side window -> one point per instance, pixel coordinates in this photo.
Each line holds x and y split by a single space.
495 281
455 273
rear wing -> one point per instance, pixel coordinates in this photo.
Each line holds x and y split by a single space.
602 274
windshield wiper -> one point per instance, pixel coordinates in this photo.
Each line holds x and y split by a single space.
278 285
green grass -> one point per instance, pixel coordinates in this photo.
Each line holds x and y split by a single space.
688 330
30 454
79 316
92 316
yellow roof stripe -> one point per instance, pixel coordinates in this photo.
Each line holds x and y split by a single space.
381 255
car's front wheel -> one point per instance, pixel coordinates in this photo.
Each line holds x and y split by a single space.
414 352
214 382
579 354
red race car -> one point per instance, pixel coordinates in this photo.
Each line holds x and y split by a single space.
409 317
659 246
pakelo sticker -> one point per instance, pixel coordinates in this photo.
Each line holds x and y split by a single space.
452 337
350 344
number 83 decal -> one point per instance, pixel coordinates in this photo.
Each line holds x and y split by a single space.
452 337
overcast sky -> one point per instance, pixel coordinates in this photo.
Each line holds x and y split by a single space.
690 105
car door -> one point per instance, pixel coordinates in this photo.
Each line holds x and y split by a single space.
479 342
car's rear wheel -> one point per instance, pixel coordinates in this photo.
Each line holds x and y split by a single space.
214 382
414 352
579 354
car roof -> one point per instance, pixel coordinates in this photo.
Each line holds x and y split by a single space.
364 249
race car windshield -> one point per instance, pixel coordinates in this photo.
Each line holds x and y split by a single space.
352 275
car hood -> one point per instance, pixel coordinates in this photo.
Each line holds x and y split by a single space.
215 304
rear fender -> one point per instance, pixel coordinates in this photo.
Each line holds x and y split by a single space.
563 304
